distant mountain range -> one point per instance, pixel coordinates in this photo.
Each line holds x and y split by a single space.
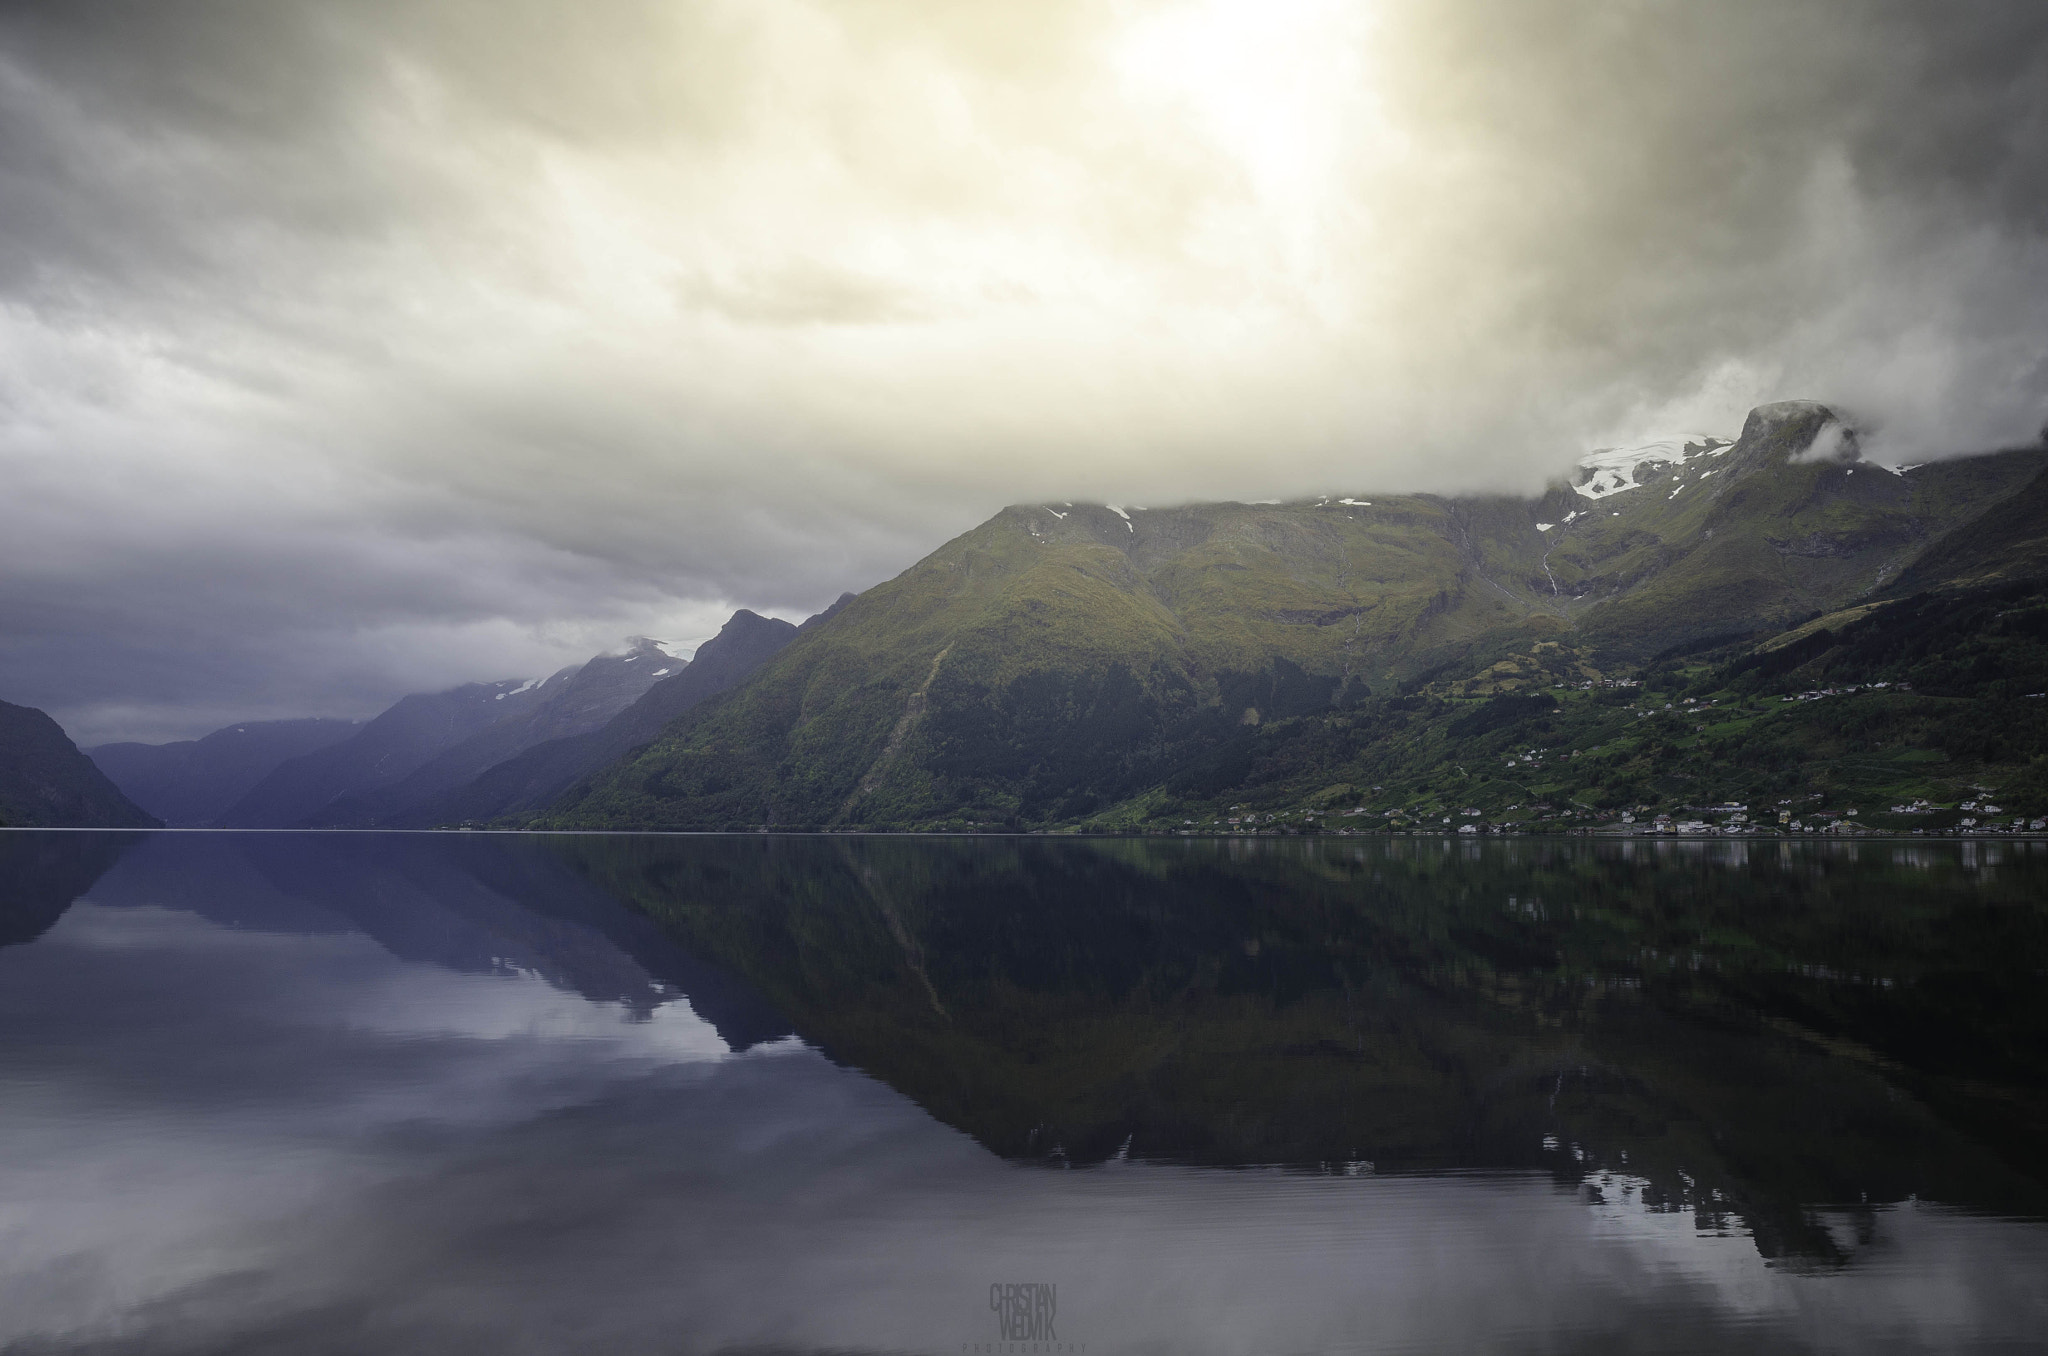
430 743
1368 659
528 782
472 753
191 783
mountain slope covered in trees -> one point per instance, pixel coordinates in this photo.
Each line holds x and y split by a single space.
45 782
1110 666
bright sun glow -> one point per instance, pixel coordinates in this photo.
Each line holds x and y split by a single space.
1274 83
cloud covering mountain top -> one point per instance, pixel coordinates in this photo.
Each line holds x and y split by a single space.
350 350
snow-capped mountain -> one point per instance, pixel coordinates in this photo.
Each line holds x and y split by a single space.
1613 470
528 781
429 742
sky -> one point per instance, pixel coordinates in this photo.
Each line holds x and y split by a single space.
352 349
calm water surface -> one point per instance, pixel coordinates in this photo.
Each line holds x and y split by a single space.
467 1093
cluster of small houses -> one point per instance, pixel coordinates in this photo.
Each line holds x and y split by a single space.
1813 695
1845 825
1817 693
1735 820
1732 819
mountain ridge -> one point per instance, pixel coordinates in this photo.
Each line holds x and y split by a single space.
478 750
1058 660
192 782
45 782
426 743
1074 665
528 780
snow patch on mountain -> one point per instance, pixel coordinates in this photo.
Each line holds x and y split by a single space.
1614 469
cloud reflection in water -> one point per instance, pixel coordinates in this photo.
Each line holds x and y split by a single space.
219 1137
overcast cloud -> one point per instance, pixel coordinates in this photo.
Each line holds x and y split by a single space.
348 349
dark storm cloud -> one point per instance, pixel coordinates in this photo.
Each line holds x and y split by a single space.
348 349
1835 196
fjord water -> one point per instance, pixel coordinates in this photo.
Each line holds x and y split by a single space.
477 1093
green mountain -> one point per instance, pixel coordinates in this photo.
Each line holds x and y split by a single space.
2009 542
1109 666
45 782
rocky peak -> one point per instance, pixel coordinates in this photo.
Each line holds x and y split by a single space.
1797 431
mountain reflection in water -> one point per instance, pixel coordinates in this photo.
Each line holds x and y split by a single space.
422 1092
